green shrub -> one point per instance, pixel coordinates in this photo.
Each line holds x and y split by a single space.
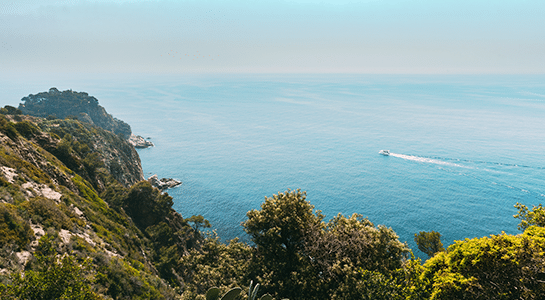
529 217
66 154
215 264
146 205
429 242
7 128
78 244
122 281
13 229
23 166
3 182
26 128
496 267
57 278
46 212
10 110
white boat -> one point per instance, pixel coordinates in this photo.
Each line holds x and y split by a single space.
384 152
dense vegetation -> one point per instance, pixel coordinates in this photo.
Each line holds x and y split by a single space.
57 104
75 223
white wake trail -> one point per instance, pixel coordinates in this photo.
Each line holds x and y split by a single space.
450 164
428 160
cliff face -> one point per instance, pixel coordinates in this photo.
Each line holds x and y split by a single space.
84 149
69 189
77 104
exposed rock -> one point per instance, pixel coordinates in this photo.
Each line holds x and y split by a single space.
120 158
65 235
9 173
78 212
23 257
42 190
163 183
139 142
87 238
38 231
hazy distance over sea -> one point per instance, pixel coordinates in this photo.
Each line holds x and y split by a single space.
465 149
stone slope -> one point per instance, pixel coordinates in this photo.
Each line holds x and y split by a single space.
79 190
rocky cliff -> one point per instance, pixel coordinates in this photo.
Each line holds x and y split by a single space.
83 148
73 201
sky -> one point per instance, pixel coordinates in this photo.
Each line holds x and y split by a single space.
290 36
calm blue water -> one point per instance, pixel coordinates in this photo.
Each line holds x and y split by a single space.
465 148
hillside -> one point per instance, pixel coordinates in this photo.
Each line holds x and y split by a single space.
83 196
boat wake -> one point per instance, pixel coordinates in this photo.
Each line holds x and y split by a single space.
428 160
450 162
444 163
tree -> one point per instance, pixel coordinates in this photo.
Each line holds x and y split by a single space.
301 257
198 222
356 260
279 231
429 242
357 242
536 216
10 110
496 267
147 205
215 264
281 225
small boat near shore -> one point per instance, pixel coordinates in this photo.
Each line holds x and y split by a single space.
384 152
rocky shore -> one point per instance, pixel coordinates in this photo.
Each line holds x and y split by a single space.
139 142
163 183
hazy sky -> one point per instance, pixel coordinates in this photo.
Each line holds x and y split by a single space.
297 36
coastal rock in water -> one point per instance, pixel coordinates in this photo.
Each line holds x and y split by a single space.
139 142
163 183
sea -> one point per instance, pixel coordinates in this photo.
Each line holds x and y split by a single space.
464 148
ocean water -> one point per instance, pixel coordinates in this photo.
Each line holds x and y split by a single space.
465 149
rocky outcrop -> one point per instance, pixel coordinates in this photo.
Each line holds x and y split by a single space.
73 104
163 183
70 186
83 148
32 171
139 142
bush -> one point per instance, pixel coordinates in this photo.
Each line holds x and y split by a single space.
7 128
66 154
215 264
46 212
147 205
57 278
429 242
26 128
497 267
535 216
299 256
13 229
10 110
122 281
